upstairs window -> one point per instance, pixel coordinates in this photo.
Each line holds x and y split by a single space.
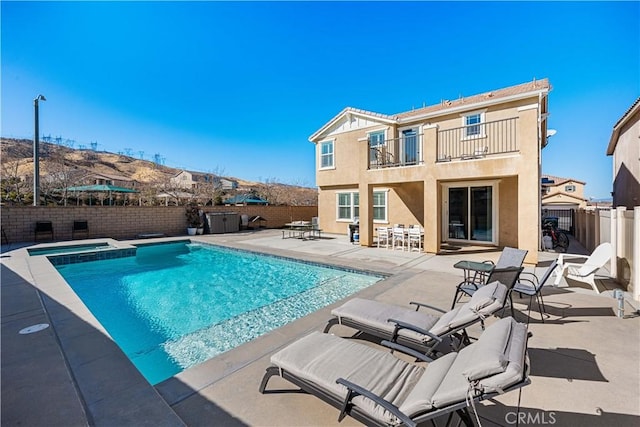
569 188
326 154
473 124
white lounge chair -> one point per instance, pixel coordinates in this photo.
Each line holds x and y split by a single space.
586 271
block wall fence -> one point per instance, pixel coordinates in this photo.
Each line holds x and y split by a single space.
126 222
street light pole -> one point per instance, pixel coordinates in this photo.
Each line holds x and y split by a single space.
36 151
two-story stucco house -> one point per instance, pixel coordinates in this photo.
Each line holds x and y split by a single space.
562 193
624 146
467 170
192 180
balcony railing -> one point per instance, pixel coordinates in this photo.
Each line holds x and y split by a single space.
403 151
463 143
477 140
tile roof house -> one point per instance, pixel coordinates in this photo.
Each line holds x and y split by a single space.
624 146
466 170
192 180
562 193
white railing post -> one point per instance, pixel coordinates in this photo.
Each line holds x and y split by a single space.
613 268
635 274
596 228
621 234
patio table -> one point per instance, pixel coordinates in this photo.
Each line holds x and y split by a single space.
474 271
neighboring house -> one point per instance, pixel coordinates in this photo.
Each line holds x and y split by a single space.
193 180
227 184
467 170
246 199
562 193
624 146
109 179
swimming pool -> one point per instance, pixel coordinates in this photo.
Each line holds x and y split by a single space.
178 304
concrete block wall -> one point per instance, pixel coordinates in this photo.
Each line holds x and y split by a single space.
126 222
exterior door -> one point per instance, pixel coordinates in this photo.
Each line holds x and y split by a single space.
470 213
409 147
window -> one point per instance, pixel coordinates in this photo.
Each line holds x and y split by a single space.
473 124
380 206
348 206
326 154
569 188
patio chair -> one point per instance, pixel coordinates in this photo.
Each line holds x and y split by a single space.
374 387
507 275
585 272
532 286
80 227
417 329
43 228
414 238
5 239
384 237
398 237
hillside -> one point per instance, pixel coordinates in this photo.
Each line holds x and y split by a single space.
17 162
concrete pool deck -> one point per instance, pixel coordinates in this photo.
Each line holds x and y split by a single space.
584 359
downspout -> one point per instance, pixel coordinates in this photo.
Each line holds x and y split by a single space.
539 170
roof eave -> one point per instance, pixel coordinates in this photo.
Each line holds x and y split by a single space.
474 105
615 134
348 110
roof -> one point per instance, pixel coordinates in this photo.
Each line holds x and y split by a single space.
247 199
500 94
635 107
102 188
556 180
445 106
547 197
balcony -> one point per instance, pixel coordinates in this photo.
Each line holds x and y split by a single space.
470 142
404 151
477 140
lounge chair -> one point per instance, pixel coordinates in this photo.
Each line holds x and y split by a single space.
376 388
80 227
422 331
529 284
586 271
510 257
43 228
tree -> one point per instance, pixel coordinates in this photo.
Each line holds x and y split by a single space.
60 174
14 187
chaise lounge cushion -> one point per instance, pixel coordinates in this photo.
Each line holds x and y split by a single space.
323 358
375 314
496 361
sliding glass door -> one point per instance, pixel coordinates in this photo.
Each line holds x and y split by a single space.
469 213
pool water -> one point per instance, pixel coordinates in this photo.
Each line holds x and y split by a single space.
175 305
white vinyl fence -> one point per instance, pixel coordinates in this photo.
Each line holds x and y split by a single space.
621 227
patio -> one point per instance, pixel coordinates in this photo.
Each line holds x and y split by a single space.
583 358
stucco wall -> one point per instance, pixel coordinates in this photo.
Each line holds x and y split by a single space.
125 222
626 165
415 195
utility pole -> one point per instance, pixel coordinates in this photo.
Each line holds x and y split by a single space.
36 150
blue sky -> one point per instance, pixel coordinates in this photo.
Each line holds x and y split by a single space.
238 87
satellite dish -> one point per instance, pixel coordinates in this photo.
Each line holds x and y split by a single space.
551 132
